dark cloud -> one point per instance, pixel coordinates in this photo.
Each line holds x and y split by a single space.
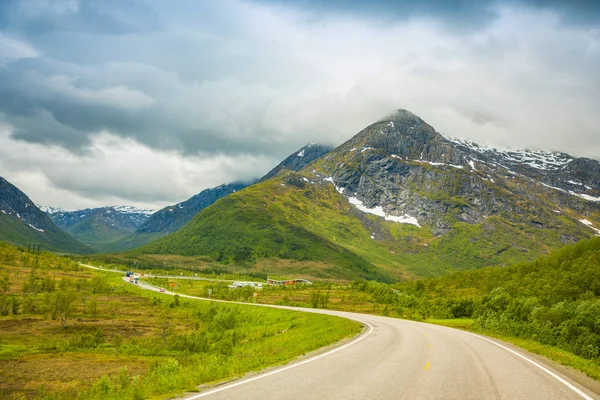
460 15
38 17
234 82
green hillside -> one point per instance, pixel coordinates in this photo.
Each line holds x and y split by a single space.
95 233
132 241
554 300
275 220
290 218
16 232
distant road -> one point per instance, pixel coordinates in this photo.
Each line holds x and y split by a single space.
194 278
400 359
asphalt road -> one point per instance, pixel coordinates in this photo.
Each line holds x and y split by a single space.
399 359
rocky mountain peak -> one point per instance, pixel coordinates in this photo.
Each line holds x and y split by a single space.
403 116
403 135
401 165
299 159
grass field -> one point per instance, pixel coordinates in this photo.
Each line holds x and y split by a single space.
121 342
372 298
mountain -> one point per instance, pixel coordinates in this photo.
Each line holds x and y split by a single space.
172 218
21 223
299 159
399 199
97 226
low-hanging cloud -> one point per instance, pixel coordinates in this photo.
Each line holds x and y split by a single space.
236 79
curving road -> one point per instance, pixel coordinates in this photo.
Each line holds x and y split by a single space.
399 359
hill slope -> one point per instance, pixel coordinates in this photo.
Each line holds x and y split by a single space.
97 226
554 300
407 201
21 222
172 218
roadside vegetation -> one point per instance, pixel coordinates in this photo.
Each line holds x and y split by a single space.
68 332
550 306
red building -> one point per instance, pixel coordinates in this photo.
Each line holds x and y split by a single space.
288 282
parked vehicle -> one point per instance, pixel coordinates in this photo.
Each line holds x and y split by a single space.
239 284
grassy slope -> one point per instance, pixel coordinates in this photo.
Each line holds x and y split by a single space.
17 232
307 222
206 342
128 242
277 221
95 233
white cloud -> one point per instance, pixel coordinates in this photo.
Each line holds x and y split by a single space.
242 85
117 96
12 49
117 171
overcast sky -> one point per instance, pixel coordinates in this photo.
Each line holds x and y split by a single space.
149 102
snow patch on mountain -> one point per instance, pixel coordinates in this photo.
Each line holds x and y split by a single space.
586 196
437 164
51 210
548 161
37 229
133 210
378 210
588 223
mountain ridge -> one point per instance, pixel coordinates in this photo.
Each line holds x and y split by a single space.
467 209
97 226
172 218
21 223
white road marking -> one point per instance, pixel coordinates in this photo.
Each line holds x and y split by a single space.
261 376
546 370
230 386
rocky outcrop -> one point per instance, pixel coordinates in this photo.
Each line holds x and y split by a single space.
299 159
172 218
23 223
404 166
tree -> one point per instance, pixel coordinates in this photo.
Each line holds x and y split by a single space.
166 326
4 284
62 306
16 304
113 308
93 306
84 296
242 254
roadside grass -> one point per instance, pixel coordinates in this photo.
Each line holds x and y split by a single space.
343 298
330 295
461 323
137 343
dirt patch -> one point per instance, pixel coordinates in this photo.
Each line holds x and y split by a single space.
61 372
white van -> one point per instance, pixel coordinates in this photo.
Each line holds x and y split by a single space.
239 284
